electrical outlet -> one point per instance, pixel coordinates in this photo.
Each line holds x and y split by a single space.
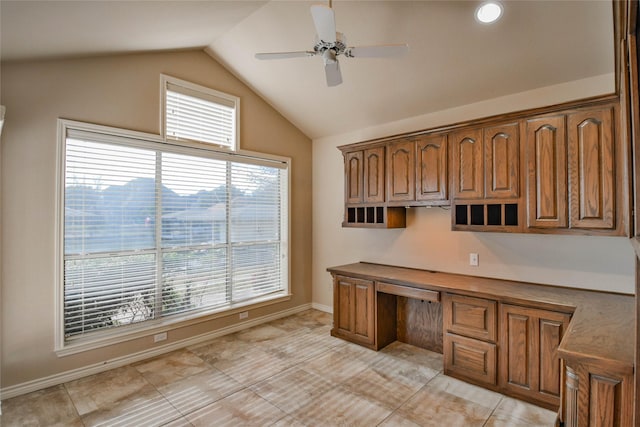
473 259
244 315
160 337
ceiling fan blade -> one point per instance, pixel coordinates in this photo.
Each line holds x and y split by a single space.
332 71
381 51
284 55
325 22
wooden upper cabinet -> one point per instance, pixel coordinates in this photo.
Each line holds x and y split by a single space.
401 171
353 173
374 178
467 164
591 169
546 151
431 179
502 161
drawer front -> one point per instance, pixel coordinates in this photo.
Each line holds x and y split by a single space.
470 358
471 317
408 291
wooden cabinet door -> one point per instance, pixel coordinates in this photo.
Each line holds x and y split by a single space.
354 313
546 151
353 174
529 365
363 311
502 161
431 180
374 182
591 172
401 171
467 166
342 302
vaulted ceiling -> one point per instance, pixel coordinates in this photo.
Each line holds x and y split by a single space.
453 60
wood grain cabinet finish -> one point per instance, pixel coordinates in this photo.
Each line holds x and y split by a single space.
470 316
502 161
591 169
467 158
546 152
374 176
470 359
354 310
354 173
470 332
596 397
401 171
529 364
431 178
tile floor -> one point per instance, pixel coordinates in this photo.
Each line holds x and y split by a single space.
289 372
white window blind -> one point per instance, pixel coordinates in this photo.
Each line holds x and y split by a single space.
196 113
152 231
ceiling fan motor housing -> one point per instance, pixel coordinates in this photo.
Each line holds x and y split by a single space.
330 50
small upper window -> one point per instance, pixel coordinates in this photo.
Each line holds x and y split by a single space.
196 113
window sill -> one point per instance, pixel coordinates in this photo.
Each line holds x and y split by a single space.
151 328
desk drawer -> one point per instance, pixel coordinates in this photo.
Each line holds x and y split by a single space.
408 291
471 317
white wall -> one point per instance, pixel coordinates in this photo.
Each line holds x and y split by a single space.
603 263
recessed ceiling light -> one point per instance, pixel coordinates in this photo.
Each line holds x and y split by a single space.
489 12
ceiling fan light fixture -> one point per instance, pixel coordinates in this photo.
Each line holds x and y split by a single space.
489 12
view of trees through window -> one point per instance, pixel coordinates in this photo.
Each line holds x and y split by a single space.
150 233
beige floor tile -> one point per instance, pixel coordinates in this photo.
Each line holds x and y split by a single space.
292 389
440 403
414 354
145 409
469 392
197 391
262 333
390 381
171 367
180 422
339 364
244 408
296 347
525 412
395 420
225 348
49 407
252 367
106 388
340 407
288 421
307 321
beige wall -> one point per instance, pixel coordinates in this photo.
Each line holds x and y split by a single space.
605 263
120 91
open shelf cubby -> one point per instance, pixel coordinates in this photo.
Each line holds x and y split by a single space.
375 217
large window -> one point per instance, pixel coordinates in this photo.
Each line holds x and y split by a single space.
153 231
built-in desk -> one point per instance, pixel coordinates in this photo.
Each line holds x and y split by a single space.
562 348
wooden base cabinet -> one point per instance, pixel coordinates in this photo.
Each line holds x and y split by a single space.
354 310
529 363
596 397
470 338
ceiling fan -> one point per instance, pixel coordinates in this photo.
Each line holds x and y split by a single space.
330 44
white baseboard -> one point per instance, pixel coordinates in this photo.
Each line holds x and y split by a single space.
322 307
96 368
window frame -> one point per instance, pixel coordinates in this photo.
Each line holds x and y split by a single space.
111 336
166 80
